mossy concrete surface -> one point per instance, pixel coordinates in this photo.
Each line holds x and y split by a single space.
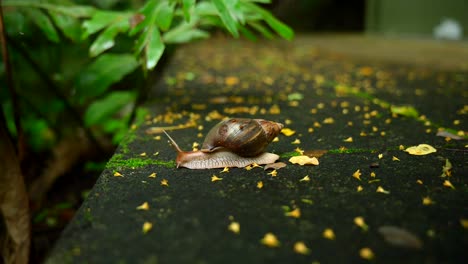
340 108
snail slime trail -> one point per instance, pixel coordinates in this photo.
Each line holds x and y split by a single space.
236 142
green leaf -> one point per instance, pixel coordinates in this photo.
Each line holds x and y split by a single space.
105 108
247 33
187 6
43 22
69 26
404 110
262 29
102 72
224 13
282 29
154 49
185 36
104 42
100 20
164 14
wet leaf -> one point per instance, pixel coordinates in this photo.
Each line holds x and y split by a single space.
447 134
407 111
421 149
304 160
400 237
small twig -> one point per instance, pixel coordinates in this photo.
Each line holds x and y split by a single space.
11 87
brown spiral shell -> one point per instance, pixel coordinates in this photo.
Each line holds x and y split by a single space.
243 136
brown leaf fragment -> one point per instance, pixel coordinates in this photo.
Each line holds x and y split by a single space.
399 237
447 134
315 153
275 166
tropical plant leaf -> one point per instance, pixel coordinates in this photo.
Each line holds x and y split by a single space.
279 27
247 33
102 72
262 29
185 36
154 49
105 108
69 26
104 41
100 20
43 22
187 6
228 20
164 15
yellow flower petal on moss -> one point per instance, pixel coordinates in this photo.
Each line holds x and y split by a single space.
366 253
234 227
255 165
401 147
301 248
372 174
152 175
144 206
287 132
357 174
248 167
215 178
359 221
306 179
380 156
259 184
359 188
421 149
117 174
296 213
299 150
380 189
273 173
304 160
276 139
296 142
419 182
350 139
226 169
270 240
328 233
165 182
427 201
143 154
447 183
395 158
147 226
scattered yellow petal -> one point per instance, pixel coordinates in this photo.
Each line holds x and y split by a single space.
447 183
380 156
215 178
231 80
447 169
143 206
359 221
427 200
303 160
296 213
359 188
143 154
372 174
380 189
259 184
306 179
419 182
164 182
298 150
156 153
255 165
234 227
350 139
152 175
357 174
464 223
248 167
329 234
147 226
296 142
366 253
329 120
276 139
117 174
270 240
274 110
301 248
421 149
226 169
273 173
288 132
395 158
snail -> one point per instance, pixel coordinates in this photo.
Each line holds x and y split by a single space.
235 142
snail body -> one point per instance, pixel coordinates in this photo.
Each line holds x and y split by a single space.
232 143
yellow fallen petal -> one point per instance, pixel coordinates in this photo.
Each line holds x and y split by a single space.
421 149
303 160
117 174
273 173
395 158
152 175
215 178
350 139
306 179
287 132
359 221
419 182
329 234
380 156
259 184
366 253
143 154
427 200
464 223
359 188
372 174
301 248
380 189
447 183
234 227
270 240
296 142
147 226
164 182
300 151
357 174
296 213
226 169
143 206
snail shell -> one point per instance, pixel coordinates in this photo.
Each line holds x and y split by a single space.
243 136
232 143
